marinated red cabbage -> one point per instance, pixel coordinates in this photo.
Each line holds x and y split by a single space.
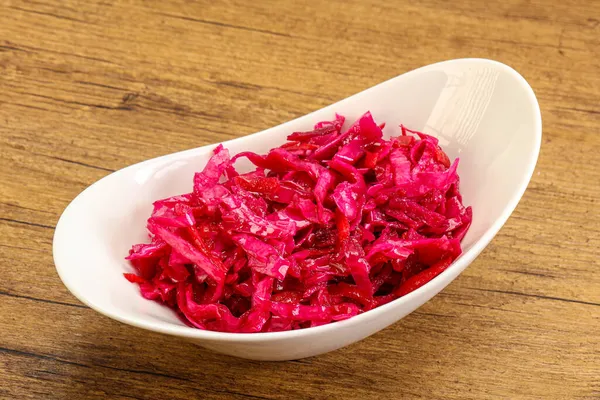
333 223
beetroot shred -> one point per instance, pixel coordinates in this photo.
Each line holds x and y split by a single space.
329 225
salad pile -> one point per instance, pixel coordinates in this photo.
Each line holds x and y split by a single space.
333 223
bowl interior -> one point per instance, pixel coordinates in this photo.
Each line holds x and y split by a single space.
483 112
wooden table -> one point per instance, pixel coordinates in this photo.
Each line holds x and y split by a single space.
88 87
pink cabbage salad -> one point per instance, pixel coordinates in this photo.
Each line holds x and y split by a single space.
329 225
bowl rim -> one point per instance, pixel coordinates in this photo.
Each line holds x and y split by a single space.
455 268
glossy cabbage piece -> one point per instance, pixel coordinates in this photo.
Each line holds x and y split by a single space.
331 224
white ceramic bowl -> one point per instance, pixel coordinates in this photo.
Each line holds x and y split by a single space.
482 111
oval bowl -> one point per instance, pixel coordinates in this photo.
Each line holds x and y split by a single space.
481 111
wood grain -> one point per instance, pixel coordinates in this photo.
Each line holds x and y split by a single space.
88 87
